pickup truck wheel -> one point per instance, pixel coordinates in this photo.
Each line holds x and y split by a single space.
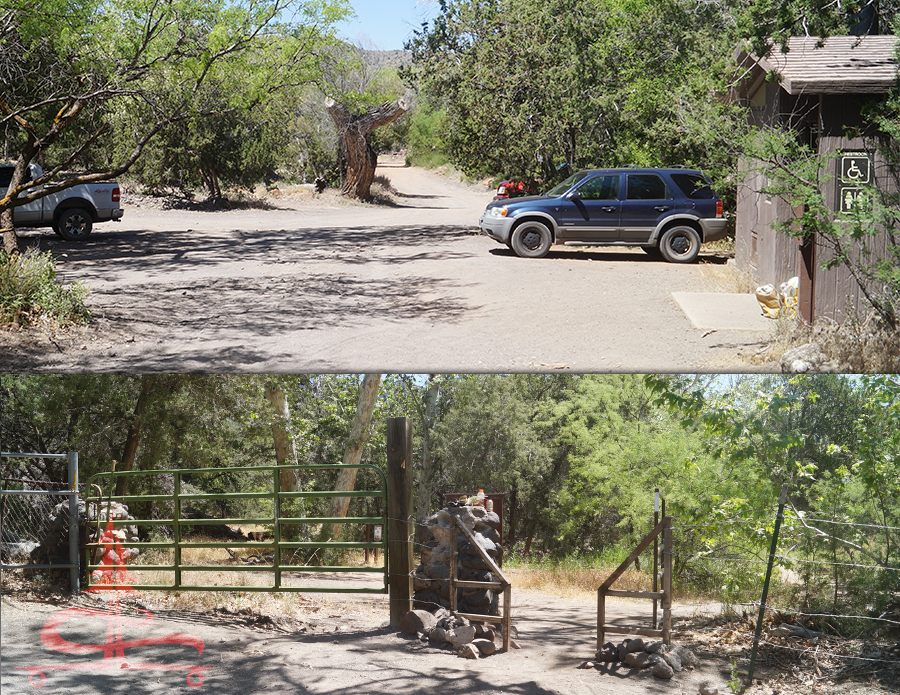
74 224
531 240
680 244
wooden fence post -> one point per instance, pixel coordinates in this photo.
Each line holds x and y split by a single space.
400 521
667 581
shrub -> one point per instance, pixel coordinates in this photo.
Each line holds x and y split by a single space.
30 292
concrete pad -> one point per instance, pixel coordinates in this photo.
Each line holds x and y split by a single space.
723 311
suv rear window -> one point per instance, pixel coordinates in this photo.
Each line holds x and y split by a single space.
694 186
646 187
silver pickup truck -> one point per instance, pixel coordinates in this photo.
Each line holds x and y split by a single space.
71 212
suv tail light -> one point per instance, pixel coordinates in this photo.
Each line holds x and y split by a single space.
116 195
719 210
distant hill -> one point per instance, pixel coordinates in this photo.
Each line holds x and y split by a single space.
384 59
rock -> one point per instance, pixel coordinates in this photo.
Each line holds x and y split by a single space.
661 669
461 635
421 583
622 648
438 634
485 646
806 358
488 532
688 658
513 644
587 664
438 571
472 562
416 621
673 660
428 600
636 645
478 597
707 688
482 631
468 651
639 659
657 648
608 652
441 613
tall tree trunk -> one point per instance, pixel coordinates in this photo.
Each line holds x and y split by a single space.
354 130
510 526
33 146
359 434
426 477
134 433
285 451
10 238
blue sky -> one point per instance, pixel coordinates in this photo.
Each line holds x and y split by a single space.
386 25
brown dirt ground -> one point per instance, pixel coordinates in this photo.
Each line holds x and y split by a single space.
341 643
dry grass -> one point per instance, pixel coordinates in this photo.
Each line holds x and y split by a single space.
728 278
232 598
577 583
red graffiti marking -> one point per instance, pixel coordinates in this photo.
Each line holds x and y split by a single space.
108 579
114 647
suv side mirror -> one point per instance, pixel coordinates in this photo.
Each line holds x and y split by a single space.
573 196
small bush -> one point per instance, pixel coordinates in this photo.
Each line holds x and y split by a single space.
30 292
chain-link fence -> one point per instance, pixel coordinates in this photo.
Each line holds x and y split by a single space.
39 521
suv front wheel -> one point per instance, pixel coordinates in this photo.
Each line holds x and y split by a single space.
531 239
680 244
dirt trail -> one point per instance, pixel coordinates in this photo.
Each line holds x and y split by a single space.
339 653
326 285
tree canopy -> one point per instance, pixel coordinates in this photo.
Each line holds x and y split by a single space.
578 456
76 73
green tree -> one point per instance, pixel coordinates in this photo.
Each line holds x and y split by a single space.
76 63
571 82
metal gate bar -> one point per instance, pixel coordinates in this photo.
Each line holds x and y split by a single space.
72 494
276 520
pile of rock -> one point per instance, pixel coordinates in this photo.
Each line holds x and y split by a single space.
664 660
54 544
432 590
469 640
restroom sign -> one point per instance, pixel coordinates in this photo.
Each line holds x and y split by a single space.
856 174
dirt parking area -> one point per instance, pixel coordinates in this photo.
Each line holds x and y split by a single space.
322 284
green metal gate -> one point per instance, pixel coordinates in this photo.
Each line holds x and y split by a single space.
283 551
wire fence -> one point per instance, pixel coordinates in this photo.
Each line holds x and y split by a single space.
27 520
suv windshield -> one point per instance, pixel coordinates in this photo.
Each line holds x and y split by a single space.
561 188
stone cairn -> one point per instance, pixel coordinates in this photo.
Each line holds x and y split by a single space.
54 545
663 660
430 619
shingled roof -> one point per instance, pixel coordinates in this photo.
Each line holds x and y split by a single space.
842 65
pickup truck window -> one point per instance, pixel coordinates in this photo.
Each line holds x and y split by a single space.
6 173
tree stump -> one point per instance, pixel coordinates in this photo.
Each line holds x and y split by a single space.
354 130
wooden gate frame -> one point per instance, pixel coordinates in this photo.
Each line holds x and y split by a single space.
503 584
664 527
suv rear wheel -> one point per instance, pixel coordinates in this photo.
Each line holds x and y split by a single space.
531 239
680 244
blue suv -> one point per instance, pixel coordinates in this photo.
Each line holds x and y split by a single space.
665 211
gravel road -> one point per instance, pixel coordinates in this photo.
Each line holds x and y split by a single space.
327 285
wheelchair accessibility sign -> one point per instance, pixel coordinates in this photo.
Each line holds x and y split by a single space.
855 177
